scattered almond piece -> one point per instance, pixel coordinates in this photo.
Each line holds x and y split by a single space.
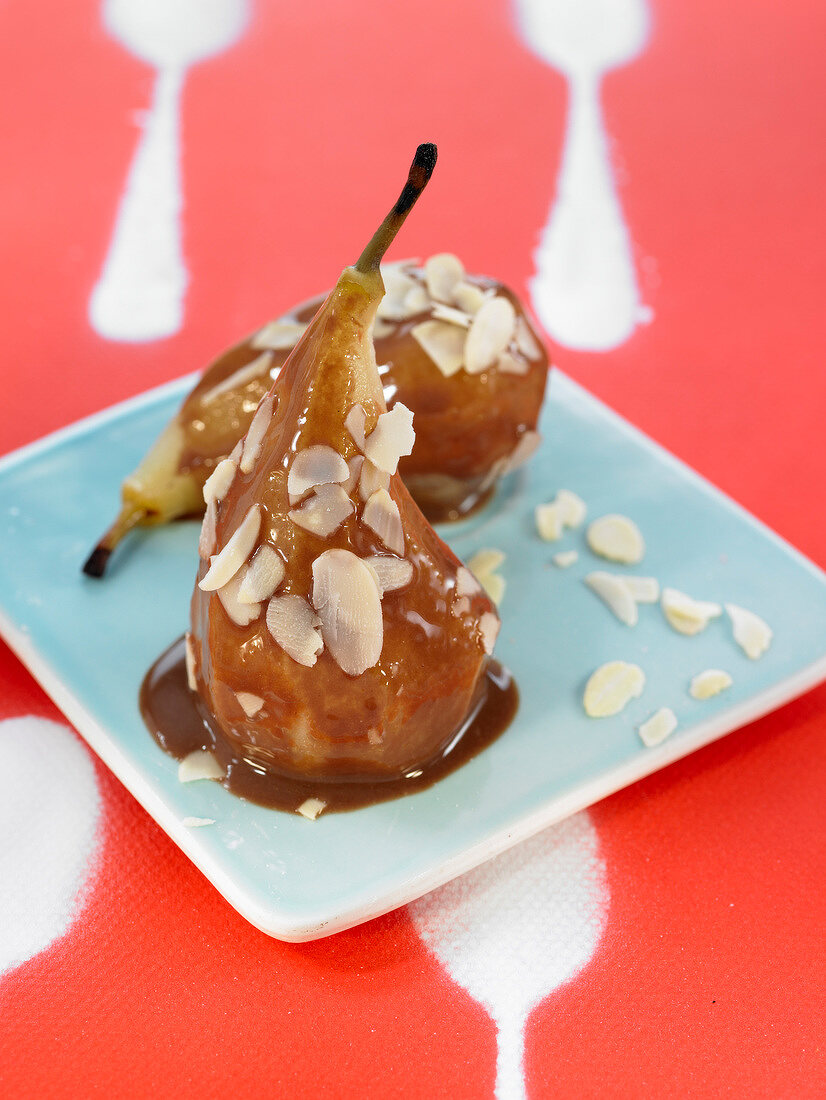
241 613
751 633
199 765
526 341
296 628
208 536
250 704
197 822
316 465
616 594
616 538
490 333
226 564
392 437
416 301
219 481
565 558
397 286
466 583
311 808
371 480
611 687
381 515
494 585
643 589
469 297
443 343
349 609
279 335
687 615
451 315
189 657
255 435
443 273
659 726
711 682
549 523
573 508
510 364
264 574
239 378
485 561
354 466
324 511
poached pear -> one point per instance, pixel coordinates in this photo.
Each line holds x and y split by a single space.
333 634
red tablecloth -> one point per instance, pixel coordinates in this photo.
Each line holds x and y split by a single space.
708 975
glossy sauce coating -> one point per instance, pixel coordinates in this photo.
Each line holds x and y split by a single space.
179 722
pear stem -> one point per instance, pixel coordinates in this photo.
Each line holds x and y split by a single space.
130 516
420 172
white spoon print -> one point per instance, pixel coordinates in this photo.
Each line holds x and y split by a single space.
49 808
140 293
585 289
518 927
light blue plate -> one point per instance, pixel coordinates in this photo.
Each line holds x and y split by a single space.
89 644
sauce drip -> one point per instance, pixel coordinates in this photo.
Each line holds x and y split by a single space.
180 724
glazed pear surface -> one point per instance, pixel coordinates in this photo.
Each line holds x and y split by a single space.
334 635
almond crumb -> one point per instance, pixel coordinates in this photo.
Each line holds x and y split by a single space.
611 687
659 726
311 808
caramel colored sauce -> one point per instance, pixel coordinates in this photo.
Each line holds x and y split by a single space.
180 723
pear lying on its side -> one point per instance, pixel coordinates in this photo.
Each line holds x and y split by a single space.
334 635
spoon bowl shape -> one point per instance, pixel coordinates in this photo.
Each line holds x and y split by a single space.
175 33
577 36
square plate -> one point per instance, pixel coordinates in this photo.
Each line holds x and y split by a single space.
90 643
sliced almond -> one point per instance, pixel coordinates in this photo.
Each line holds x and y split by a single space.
708 683
469 297
382 329
524 449
611 687
296 628
311 808
242 614
255 436
443 273
381 515
526 341
687 615
239 378
490 333
197 822
226 564
616 538
354 466
263 575
466 583
316 465
752 634
451 315
354 423
250 704
494 585
199 764
660 725
279 335
573 508
349 608
511 364
549 522
189 657
461 606
443 343
485 561
615 594
416 301
397 285
391 573
219 481
489 625
323 513
565 558
372 479
392 437
207 539
643 589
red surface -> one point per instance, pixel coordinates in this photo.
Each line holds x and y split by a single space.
709 978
